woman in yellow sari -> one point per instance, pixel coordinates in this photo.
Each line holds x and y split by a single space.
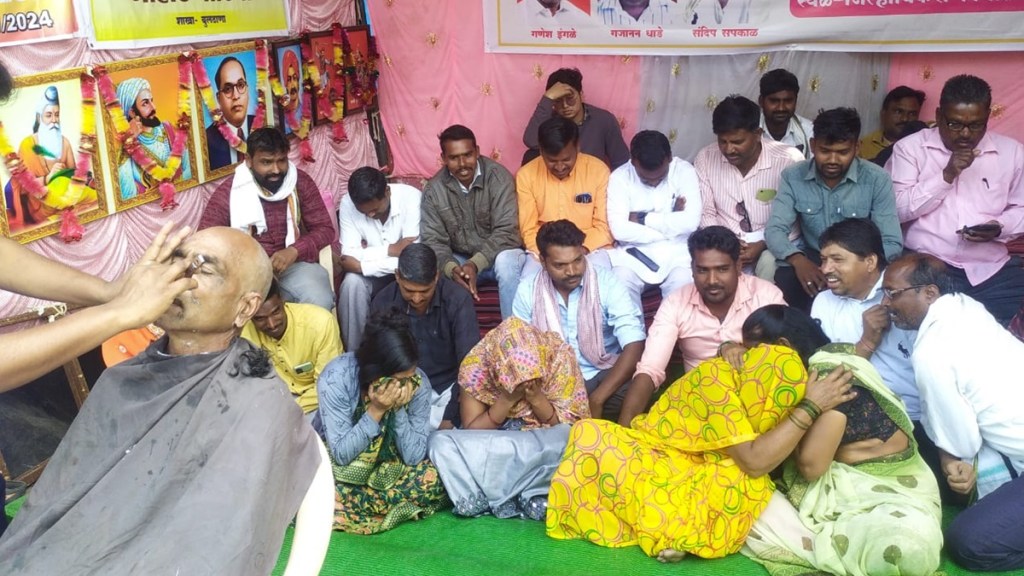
691 476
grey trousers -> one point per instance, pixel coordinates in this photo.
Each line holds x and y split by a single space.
354 306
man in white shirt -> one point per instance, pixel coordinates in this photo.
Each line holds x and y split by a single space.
552 14
377 221
779 91
648 13
972 406
653 206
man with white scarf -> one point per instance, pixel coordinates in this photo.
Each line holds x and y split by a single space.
590 309
281 207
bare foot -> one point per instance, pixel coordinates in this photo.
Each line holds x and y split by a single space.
669 556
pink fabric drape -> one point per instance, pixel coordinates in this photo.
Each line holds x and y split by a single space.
434 73
112 244
929 71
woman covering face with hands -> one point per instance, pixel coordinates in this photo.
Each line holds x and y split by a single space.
374 411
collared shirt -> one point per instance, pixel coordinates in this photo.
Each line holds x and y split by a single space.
664 230
621 319
798 134
307 345
842 319
991 188
872 144
544 198
347 438
600 133
444 334
657 13
722 187
482 223
567 15
684 318
462 186
966 367
367 239
318 230
865 191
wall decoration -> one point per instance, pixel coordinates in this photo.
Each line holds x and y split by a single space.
51 181
286 81
231 74
29 21
360 69
148 105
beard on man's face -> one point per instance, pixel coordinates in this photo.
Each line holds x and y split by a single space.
269 182
150 121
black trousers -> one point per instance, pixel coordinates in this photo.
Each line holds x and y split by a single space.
1001 294
792 288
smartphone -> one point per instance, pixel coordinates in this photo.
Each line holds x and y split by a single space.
643 258
981 229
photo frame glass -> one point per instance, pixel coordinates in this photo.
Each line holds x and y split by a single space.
232 74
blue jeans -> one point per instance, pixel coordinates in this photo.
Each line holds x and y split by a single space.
306 283
505 270
989 536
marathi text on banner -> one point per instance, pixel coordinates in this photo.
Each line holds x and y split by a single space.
137 23
36 21
674 27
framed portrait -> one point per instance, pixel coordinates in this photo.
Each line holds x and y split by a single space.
322 46
43 124
288 63
147 90
359 50
232 73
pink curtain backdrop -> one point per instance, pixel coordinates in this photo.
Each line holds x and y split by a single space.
1002 70
112 244
434 73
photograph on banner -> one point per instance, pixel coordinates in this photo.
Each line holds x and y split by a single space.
714 26
232 73
360 88
322 46
28 21
149 95
43 125
288 63
117 24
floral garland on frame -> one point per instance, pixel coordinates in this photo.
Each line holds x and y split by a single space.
71 230
162 173
202 80
291 117
337 88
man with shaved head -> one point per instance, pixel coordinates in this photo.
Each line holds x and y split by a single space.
194 442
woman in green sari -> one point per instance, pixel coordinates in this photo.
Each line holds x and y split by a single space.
855 498
375 411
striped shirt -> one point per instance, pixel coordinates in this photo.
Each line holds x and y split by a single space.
722 187
657 13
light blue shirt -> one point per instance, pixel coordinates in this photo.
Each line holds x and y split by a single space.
622 320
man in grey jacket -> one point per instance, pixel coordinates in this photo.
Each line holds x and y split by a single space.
470 218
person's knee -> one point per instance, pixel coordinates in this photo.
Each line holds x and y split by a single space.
508 264
977 549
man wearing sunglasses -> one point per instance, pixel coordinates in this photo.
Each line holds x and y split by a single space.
233 98
960 196
972 407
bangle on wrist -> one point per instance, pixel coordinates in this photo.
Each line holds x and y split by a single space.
867 346
796 422
810 407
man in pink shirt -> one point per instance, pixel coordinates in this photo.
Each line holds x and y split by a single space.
702 317
739 178
960 195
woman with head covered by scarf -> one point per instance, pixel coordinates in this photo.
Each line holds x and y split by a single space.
520 390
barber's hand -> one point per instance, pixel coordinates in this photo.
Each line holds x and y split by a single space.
810 276
960 476
959 161
984 235
465 276
750 252
558 90
147 289
832 390
394 250
282 259
876 321
732 353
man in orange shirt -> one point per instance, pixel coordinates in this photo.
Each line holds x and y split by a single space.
563 183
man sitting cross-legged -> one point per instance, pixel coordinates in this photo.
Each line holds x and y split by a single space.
592 311
300 339
442 320
190 458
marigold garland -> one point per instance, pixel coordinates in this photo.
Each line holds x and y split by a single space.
202 80
337 88
262 64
